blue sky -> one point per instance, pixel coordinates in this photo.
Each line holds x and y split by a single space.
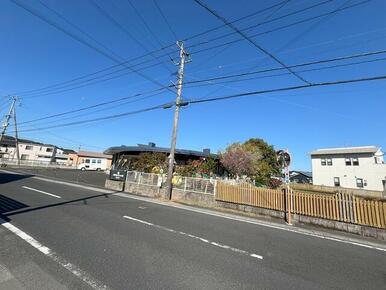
34 54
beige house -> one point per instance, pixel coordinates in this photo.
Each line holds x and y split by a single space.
75 159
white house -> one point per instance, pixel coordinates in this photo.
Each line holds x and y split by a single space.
349 167
31 151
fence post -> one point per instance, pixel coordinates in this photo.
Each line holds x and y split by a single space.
215 188
185 178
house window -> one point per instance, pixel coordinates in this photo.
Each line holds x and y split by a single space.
360 182
323 161
24 157
355 162
49 150
336 181
348 161
329 161
28 147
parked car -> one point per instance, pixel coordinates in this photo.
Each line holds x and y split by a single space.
97 164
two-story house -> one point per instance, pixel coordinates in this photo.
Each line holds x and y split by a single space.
31 151
349 167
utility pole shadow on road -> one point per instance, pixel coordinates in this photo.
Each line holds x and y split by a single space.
84 200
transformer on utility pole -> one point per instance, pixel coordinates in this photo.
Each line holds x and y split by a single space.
183 59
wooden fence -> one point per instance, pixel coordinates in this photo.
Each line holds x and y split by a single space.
342 207
248 194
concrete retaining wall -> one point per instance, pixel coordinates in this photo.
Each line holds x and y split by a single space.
251 209
193 198
145 190
365 231
114 185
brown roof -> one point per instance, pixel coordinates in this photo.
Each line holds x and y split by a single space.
93 154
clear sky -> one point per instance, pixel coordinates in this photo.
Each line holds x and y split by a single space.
34 54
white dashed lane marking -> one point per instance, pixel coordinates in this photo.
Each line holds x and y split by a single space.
196 238
41 191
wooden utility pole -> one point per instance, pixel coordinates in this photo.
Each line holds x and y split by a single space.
183 55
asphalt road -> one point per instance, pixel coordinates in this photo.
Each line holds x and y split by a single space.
76 238
78 176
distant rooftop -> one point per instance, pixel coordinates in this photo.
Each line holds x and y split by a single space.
10 141
151 147
305 173
94 154
345 150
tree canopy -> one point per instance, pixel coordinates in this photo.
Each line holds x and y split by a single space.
151 162
254 158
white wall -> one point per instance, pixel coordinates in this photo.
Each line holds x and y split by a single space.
371 172
31 152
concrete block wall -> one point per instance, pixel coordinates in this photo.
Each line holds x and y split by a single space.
365 231
145 190
251 209
114 185
193 198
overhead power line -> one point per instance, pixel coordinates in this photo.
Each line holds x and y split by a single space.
68 82
165 20
147 54
101 109
287 73
313 85
208 80
253 42
79 39
99 79
213 99
112 20
281 17
143 20
274 29
78 28
91 107
346 57
109 117
236 20
85 83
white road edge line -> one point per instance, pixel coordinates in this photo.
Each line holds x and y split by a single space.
41 191
95 284
195 237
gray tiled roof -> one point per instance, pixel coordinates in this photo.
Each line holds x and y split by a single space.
345 150
147 148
